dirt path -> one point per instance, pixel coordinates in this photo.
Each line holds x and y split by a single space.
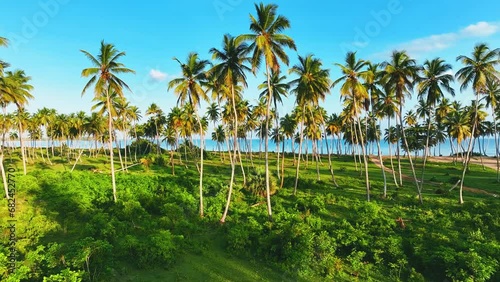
490 163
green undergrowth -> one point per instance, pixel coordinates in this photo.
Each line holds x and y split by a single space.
69 229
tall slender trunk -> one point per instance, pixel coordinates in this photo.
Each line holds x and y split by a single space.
300 151
125 156
363 150
266 145
468 154
379 151
409 155
110 128
233 168
4 178
425 152
232 158
390 151
316 157
283 164
119 152
202 141
352 146
496 142
23 154
329 156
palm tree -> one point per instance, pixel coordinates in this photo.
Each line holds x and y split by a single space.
492 98
310 86
103 73
18 93
155 111
288 126
477 70
268 42
356 93
400 74
278 89
134 115
372 78
430 87
189 89
230 71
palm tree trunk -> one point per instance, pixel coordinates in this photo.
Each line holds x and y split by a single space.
363 150
329 156
266 145
425 152
283 164
4 178
23 154
390 151
119 152
409 155
496 142
234 157
202 140
233 168
125 156
300 151
110 129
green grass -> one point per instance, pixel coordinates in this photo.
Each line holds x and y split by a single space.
213 261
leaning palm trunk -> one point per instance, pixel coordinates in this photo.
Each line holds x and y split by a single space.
233 158
390 152
363 150
202 141
233 168
23 153
299 154
110 128
330 157
119 152
425 153
409 155
4 178
468 154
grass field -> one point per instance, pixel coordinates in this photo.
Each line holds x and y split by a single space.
317 204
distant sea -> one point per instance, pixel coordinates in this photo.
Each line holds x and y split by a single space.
444 149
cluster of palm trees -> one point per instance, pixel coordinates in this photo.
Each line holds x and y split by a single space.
370 93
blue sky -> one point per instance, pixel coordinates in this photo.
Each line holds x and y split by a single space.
46 37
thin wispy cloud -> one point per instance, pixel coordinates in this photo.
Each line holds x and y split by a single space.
437 42
157 75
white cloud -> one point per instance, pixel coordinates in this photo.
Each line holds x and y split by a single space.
157 75
443 41
480 29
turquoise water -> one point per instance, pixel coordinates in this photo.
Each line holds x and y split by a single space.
443 149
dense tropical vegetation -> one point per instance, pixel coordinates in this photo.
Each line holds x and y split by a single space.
171 199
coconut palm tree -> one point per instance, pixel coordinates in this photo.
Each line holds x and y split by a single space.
230 71
189 90
310 87
103 76
372 77
400 74
435 78
18 92
268 42
155 112
133 114
492 97
477 70
356 93
278 90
